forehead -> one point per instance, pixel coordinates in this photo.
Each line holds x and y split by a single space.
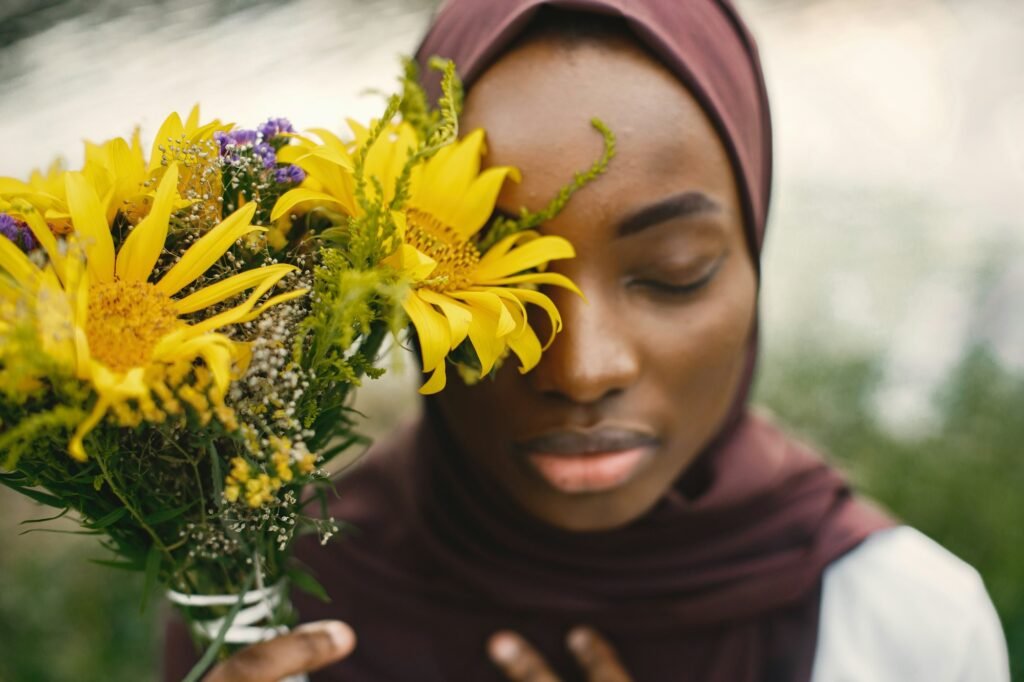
536 104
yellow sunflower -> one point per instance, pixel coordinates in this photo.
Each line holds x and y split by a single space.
44 192
329 167
99 315
456 292
122 177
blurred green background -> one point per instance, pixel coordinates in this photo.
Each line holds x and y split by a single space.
893 333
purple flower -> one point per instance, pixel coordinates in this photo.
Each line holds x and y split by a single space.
265 153
18 232
274 127
243 138
9 227
289 175
235 139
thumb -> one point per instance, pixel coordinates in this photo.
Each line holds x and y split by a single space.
307 648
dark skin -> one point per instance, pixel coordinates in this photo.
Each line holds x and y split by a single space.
658 347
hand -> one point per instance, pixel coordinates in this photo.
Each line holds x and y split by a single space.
521 663
307 648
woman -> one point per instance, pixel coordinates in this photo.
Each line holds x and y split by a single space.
618 513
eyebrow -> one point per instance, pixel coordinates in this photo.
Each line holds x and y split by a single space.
681 205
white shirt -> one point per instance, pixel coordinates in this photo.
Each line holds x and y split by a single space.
901 608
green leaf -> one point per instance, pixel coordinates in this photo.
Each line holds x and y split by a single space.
308 584
47 499
335 450
107 519
60 532
152 572
218 476
168 514
120 565
62 512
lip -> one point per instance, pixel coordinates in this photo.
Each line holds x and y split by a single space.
588 461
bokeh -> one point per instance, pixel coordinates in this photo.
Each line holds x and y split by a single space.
892 318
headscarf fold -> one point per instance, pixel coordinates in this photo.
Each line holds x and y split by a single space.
723 588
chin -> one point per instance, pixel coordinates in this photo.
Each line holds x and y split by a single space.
590 512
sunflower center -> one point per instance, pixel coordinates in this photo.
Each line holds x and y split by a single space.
455 256
126 320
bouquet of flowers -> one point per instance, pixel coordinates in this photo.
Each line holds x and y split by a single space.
181 333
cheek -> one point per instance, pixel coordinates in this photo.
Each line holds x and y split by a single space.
476 414
697 352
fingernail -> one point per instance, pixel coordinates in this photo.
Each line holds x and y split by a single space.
579 639
504 649
341 636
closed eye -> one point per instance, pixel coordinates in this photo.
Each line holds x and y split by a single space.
673 289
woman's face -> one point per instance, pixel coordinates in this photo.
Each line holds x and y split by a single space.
644 372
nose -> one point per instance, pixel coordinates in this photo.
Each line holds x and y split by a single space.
593 357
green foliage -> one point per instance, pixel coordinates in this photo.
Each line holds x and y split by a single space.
16 439
960 484
63 618
439 124
353 312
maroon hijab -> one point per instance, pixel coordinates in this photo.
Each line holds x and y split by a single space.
720 582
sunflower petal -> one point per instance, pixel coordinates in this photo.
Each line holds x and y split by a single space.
487 344
76 283
412 262
218 358
533 254
455 171
458 315
45 237
332 141
75 448
527 348
301 195
127 173
236 314
338 157
447 177
13 187
193 118
216 351
17 264
91 226
489 300
515 308
498 251
141 250
170 129
271 302
329 178
431 329
436 382
56 320
549 278
477 205
542 301
225 289
208 250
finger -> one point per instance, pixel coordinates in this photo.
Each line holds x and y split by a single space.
596 656
518 660
305 649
